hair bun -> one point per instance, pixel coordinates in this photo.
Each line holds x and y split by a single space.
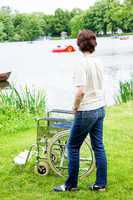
86 40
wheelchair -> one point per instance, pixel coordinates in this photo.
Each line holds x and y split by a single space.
51 145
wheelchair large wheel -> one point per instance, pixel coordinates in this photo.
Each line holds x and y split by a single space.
58 147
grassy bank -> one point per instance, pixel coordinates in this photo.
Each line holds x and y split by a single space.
17 109
118 132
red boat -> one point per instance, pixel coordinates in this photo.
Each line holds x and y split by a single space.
4 76
68 49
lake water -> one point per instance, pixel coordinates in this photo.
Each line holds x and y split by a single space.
35 65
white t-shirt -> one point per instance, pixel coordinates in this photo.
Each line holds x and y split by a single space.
89 73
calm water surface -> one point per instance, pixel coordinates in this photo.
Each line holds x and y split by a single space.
34 64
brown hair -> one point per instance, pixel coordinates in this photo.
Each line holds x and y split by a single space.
86 40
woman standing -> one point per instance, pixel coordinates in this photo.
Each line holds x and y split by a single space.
89 115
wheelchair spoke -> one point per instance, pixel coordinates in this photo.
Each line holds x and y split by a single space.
58 147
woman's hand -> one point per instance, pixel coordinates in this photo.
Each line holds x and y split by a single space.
74 109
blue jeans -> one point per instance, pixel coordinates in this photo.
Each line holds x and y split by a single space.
87 122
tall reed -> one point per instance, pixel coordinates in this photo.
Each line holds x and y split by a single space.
125 92
26 99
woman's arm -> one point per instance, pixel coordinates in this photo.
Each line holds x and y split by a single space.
80 92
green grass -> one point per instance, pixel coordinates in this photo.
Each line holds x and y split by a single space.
16 183
12 121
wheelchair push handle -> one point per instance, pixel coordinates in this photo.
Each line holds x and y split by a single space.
60 111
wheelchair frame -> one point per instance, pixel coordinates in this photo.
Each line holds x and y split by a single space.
56 128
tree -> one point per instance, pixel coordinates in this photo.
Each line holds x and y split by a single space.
126 16
103 17
76 24
28 26
49 29
76 11
62 19
2 34
6 19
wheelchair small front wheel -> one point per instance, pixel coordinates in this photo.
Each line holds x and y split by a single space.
42 168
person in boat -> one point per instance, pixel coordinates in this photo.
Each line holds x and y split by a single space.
89 114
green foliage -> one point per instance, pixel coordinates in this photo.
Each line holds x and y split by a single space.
25 27
76 24
75 11
126 92
13 120
126 16
26 100
62 19
28 27
106 16
6 24
2 33
17 109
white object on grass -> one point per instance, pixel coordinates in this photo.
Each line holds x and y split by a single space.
20 159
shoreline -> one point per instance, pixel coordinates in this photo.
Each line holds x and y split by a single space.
59 38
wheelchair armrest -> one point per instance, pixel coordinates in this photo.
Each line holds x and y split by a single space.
50 119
